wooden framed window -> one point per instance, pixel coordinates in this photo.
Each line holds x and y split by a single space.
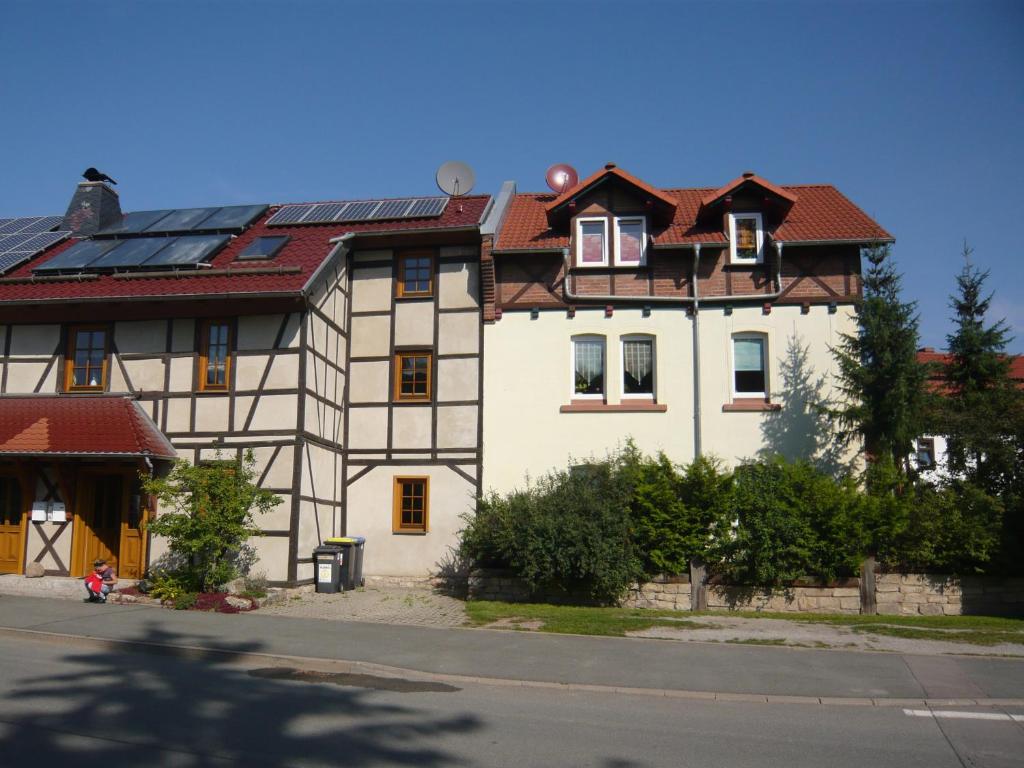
415 275
411 505
746 236
214 355
85 366
412 376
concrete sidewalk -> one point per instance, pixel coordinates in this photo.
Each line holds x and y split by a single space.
857 677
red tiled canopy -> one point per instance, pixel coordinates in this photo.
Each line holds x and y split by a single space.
85 425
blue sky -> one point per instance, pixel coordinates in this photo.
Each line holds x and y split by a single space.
915 110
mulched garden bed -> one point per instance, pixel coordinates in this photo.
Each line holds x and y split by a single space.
205 601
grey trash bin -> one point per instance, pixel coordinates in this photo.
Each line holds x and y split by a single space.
327 565
351 559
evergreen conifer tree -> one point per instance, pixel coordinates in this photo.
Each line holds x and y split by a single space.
983 408
880 379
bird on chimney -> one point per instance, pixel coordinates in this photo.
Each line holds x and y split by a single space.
91 174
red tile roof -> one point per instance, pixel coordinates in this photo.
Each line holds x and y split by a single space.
307 249
928 356
820 213
79 425
752 178
610 170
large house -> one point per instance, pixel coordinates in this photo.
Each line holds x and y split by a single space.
387 361
683 318
339 341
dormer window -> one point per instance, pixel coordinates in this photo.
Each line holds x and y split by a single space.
592 242
630 242
746 238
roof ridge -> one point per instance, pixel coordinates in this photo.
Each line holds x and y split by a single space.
385 199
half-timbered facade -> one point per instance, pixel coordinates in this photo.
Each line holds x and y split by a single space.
683 318
228 330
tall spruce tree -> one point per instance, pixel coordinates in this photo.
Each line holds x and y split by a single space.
983 408
882 383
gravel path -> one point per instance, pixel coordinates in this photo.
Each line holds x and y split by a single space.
734 629
385 604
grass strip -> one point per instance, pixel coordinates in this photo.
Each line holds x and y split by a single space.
575 620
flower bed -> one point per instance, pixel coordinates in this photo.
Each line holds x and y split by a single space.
219 602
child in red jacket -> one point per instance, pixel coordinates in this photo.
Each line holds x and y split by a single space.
99 583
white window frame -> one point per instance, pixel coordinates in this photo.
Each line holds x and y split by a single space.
747 335
579 241
733 257
652 395
573 394
643 241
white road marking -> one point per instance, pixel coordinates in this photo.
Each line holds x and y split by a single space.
954 715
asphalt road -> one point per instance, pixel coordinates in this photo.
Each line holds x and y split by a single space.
68 705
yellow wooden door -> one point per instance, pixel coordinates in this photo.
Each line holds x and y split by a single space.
101 500
12 525
132 552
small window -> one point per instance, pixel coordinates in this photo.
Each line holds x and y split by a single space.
588 367
215 355
638 367
630 242
749 373
86 361
411 505
926 453
412 376
263 248
415 275
592 242
746 238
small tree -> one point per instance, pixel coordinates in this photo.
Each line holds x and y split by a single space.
882 383
211 510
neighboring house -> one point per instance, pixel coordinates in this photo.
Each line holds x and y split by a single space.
930 450
131 338
684 318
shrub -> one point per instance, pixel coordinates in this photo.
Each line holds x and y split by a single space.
792 521
254 585
210 513
185 601
569 531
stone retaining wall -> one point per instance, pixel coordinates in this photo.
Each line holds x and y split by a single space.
906 594
916 594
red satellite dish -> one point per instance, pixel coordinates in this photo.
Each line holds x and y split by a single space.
561 177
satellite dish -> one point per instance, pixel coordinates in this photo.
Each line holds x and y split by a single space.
455 178
561 177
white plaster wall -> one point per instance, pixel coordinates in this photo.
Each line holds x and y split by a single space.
274 412
34 340
458 379
458 282
414 323
459 333
370 514
371 336
528 377
141 336
410 427
369 382
371 288
367 428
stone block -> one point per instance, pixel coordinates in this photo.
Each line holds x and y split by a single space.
850 603
936 598
930 609
910 589
951 609
913 578
887 586
908 609
888 609
34 571
914 598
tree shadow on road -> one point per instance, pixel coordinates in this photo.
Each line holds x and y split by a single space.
138 709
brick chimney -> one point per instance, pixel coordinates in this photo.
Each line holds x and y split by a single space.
95 206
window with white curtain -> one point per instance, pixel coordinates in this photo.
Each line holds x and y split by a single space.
638 367
592 242
750 373
588 367
630 242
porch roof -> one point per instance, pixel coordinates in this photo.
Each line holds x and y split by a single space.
79 425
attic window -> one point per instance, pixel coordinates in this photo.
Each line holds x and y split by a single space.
263 248
746 238
592 242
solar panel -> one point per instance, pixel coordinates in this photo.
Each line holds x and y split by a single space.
187 250
129 253
44 224
14 242
232 217
392 209
323 213
29 224
36 243
17 225
359 211
77 256
11 259
22 238
429 206
133 223
289 214
263 247
181 220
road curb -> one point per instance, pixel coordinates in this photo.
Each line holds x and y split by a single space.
250 658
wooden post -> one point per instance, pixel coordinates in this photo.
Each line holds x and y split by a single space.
698 585
867 587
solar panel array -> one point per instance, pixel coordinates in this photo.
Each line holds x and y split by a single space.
359 210
172 221
140 253
23 238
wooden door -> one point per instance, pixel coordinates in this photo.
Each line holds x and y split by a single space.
101 511
132 551
12 525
